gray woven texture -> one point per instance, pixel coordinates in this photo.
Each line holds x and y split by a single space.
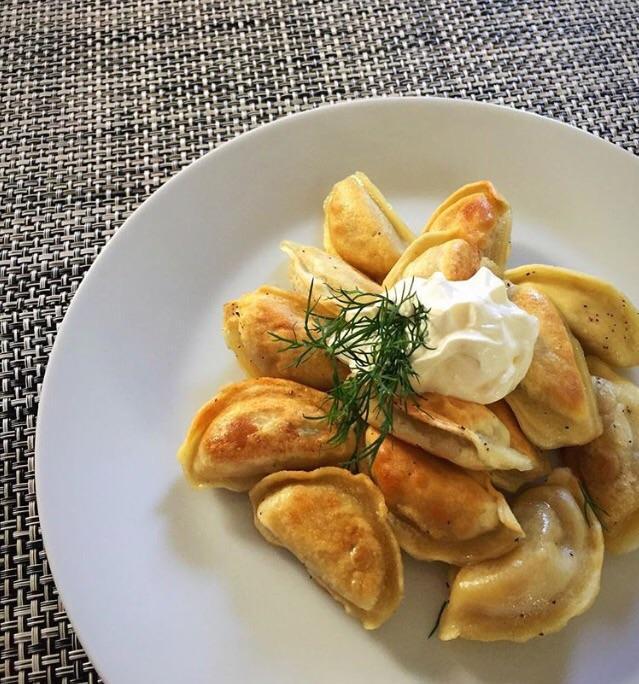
103 101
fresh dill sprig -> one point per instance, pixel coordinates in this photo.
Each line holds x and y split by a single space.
439 618
589 502
376 336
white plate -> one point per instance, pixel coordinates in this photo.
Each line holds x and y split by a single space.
167 584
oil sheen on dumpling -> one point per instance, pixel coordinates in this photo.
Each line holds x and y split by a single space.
463 432
456 259
248 322
478 214
336 524
554 403
438 510
602 318
609 466
418 253
551 576
327 272
512 480
256 427
361 227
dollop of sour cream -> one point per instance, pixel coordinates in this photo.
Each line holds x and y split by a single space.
480 344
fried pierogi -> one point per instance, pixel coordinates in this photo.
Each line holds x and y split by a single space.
445 479
249 325
554 404
456 259
551 576
609 465
438 510
463 432
336 524
361 227
328 274
512 480
256 427
419 256
478 214
602 318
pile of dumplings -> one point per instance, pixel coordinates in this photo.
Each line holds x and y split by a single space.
469 485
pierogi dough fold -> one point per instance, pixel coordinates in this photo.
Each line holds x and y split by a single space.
551 576
256 427
336 524
438 510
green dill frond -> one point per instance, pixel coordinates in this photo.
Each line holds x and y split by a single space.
589 502
376 336
439 618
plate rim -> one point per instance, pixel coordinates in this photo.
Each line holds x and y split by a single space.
44 398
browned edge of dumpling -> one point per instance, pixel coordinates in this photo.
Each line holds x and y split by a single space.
463 432
455 259
249 323
258 426
354 553
438 510
479 215
415 250
554 404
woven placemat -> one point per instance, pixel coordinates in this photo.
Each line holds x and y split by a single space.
104 100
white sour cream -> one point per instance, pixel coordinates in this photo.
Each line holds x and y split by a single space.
482 343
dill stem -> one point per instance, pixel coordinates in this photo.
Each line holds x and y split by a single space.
376 340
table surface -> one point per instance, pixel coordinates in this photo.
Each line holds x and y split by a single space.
103 101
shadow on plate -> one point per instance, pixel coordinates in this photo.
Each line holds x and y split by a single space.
609 627
431 660
193 526
195 520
